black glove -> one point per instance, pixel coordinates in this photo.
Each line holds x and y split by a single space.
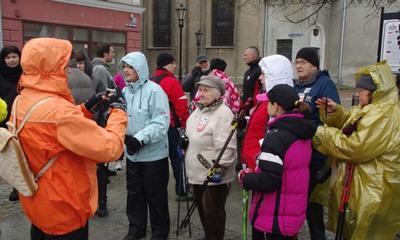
132 144
196 71
118 101
183 142
92 103
242 124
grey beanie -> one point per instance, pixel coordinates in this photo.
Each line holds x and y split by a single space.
365 81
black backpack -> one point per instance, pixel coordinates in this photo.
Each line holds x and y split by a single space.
158 79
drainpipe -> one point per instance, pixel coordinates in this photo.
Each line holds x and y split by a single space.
341 43
265 30
1 29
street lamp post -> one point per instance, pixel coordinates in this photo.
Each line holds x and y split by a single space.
198 40
180 11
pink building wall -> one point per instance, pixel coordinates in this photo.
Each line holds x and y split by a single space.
15 11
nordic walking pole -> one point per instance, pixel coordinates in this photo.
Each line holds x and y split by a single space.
187 199
183 143
182 176
235 122
346 189
344 202
179 187
245 207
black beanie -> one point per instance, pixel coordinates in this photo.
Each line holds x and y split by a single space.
164 59
365 81
283 95
218 63
310 55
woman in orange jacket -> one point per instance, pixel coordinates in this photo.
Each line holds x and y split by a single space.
67 192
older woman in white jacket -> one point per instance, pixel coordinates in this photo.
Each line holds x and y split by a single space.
208 127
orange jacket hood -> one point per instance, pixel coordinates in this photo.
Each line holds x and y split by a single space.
43 61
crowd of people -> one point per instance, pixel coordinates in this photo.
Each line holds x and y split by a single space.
291 130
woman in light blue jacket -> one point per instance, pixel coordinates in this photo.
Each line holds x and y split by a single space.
146 149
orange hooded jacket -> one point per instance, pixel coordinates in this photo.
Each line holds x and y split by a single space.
67 193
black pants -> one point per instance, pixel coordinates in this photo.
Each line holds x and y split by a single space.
79 234
211 210
146 184
176 164
315 211
239 136
258 235
102 183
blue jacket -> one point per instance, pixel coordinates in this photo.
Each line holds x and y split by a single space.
318 86
148 112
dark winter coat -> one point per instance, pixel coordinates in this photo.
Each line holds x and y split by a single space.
80 85
318 86
189 83
102 71
9 77
97 83
252 83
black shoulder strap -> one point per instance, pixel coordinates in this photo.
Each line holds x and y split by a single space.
158 79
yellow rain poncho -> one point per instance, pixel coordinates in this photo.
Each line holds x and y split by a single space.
373 211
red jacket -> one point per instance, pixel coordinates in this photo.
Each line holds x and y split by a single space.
254 133
176 96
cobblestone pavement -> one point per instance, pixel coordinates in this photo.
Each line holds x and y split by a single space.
15 226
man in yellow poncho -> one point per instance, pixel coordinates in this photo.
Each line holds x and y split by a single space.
373 148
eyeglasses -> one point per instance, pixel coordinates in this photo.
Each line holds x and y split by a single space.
361 90
302 63
80 63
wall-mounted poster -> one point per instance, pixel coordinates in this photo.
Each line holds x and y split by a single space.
390 49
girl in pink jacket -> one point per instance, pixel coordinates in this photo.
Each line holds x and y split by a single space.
280 181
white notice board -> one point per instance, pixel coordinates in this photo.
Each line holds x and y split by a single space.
391 44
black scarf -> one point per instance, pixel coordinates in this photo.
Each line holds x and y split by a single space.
11 74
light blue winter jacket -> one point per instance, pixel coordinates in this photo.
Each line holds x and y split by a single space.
148 112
